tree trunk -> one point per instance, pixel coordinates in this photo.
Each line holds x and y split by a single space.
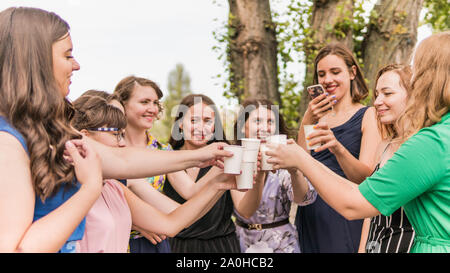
391 36
326 22
253 50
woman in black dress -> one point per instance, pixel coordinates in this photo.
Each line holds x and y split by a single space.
197 124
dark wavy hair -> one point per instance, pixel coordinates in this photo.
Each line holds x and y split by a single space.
176 139
30 97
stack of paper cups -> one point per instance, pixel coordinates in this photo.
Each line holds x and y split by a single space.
232 165
249 161
275 139
245 179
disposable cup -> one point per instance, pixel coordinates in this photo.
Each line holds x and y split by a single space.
232 165
251 143
264 165
250 155
251 148
245 179
308 130
277 139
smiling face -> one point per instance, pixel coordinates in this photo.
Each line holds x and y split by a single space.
260 123
64 63
198 125
391 97
334 75
142 108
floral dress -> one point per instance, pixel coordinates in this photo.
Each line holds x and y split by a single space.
156 182
275 206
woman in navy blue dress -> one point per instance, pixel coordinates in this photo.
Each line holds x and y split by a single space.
348 134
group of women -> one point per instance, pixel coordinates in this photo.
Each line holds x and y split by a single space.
88 176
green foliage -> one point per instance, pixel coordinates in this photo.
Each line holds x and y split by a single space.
298 48
438 14
179 85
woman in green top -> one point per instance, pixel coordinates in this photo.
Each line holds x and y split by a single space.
417 177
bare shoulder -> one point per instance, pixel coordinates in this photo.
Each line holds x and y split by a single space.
370 119
10 146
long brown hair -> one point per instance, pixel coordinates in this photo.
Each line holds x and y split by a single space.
176 139
430 98
30 97
358 87
388 131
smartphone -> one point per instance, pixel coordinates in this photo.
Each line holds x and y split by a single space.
315 90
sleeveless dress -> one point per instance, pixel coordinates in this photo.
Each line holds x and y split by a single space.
213 233
320 228
389 234
64 192
108 222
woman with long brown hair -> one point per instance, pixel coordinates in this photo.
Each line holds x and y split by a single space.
197 123
43 205
347 132
417 177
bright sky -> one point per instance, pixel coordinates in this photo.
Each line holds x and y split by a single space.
116 38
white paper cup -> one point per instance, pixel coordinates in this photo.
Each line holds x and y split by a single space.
232 165
277 139
245 180
264 165
250 156
251 143
308 130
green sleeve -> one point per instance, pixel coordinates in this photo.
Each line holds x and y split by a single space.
417 165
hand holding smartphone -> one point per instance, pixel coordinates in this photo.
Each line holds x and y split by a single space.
315 90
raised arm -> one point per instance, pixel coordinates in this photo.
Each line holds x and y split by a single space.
186 187
341 194
132 162
149 218
247 202
18 232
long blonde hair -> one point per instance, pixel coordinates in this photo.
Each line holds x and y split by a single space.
389 131
430 98
30 98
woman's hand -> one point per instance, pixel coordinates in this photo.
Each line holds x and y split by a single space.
225 181
86 162
212 155
285 156
318 107
325 136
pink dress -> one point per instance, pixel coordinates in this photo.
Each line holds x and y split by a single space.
108 223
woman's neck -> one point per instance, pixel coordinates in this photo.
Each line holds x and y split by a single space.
136 137
189 146
343 105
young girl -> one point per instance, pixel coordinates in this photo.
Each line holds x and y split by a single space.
392 234
348 133
417 177
108 223
259 118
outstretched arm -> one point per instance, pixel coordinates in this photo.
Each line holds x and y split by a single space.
341 194
133 162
